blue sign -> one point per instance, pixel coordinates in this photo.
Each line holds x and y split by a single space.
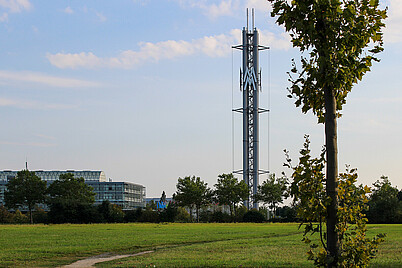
161 205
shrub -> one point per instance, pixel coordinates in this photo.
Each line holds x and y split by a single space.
20 218
110 212
73 213
5 216
205 216
149 216
182 215
253 216
40 216
219 216
240 211
286 214
169 213
132 215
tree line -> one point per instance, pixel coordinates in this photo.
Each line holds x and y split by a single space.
194 193
70 200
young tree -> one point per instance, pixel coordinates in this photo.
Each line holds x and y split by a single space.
384 204
5 215
26 189
340 39
308 191
110 212
192 192
272 191
70 200
229 191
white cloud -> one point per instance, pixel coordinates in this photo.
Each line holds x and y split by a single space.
13 6
279 42
224 8
4 17
101 17
53 81
61 60
212 10
259 5
211 46
33 105
68 10
393 28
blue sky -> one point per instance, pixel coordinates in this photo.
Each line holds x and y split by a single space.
143 91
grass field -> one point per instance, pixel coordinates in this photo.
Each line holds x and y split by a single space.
175 245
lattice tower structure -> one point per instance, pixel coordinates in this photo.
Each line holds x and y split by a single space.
250 85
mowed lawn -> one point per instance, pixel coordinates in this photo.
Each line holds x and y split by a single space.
174 245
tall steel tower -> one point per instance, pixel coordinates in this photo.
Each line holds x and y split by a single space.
250 85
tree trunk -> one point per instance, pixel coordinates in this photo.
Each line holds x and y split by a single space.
197 211
30 214
331 174
234 213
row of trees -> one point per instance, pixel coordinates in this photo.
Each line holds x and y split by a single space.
194 193
384 203
74 213
71 200
67 197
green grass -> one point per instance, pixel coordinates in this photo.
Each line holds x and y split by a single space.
175 245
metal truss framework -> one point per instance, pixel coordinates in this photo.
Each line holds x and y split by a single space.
250 85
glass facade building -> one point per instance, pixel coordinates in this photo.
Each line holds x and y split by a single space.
53 175
124 194
127 195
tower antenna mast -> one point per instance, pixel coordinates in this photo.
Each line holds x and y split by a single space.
250 85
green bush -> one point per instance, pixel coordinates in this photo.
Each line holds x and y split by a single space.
253 216
20 218
205 216
182 215
5 216
110 213
240 211
286 214
220 216
132 215
169 213
149 216
61 212
40 216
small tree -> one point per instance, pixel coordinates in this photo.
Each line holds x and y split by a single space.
26 189
169 213
384 204
162 204
308 191
151 205
192 192
110 212
70 200
272 191
5 215
229 191
339 40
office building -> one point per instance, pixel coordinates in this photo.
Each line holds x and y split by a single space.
125 194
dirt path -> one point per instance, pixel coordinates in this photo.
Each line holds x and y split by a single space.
89 262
